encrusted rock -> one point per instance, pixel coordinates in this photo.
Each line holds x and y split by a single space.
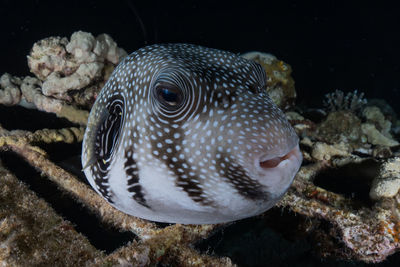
323 151
374 115
375 137
387 184
340 126
291 115
9 90
280 84
337 100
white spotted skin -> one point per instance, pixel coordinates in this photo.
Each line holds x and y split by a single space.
226 152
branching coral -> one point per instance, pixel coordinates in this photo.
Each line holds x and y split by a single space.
339 101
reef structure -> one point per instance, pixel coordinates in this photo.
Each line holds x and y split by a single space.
351 133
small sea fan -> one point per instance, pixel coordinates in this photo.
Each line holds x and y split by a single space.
339 101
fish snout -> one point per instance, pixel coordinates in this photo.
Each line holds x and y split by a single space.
277 172
268 162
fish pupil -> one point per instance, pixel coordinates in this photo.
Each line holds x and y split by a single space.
170 96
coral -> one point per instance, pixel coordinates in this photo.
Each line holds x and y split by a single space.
55 84
78 63
374 115
343 124
280 84
338 101
339 126
323 151
57 55
384 108
86 48
27 92
31 233
9 90
375 137
69 75
291 115
69 68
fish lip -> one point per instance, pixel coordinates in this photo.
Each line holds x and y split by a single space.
266 162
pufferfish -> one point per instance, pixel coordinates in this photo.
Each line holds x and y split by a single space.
186 134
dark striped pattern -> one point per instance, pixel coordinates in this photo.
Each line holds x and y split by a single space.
107 139
132 175
238 178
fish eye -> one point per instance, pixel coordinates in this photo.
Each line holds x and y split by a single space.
169 95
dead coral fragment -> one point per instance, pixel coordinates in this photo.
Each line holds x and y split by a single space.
340 126
323 151
32 93
338 101
27 93
31 89
70 74
83 76
375 137
56 54
373 114
48 56
69 67
9 90
86 48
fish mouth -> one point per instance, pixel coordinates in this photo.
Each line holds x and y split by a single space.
266 162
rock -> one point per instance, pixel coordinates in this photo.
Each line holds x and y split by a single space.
323 151
10 94
291 115
340 126
374 115
375 137
280 84
387 184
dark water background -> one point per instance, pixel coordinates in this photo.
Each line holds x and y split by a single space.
329 44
